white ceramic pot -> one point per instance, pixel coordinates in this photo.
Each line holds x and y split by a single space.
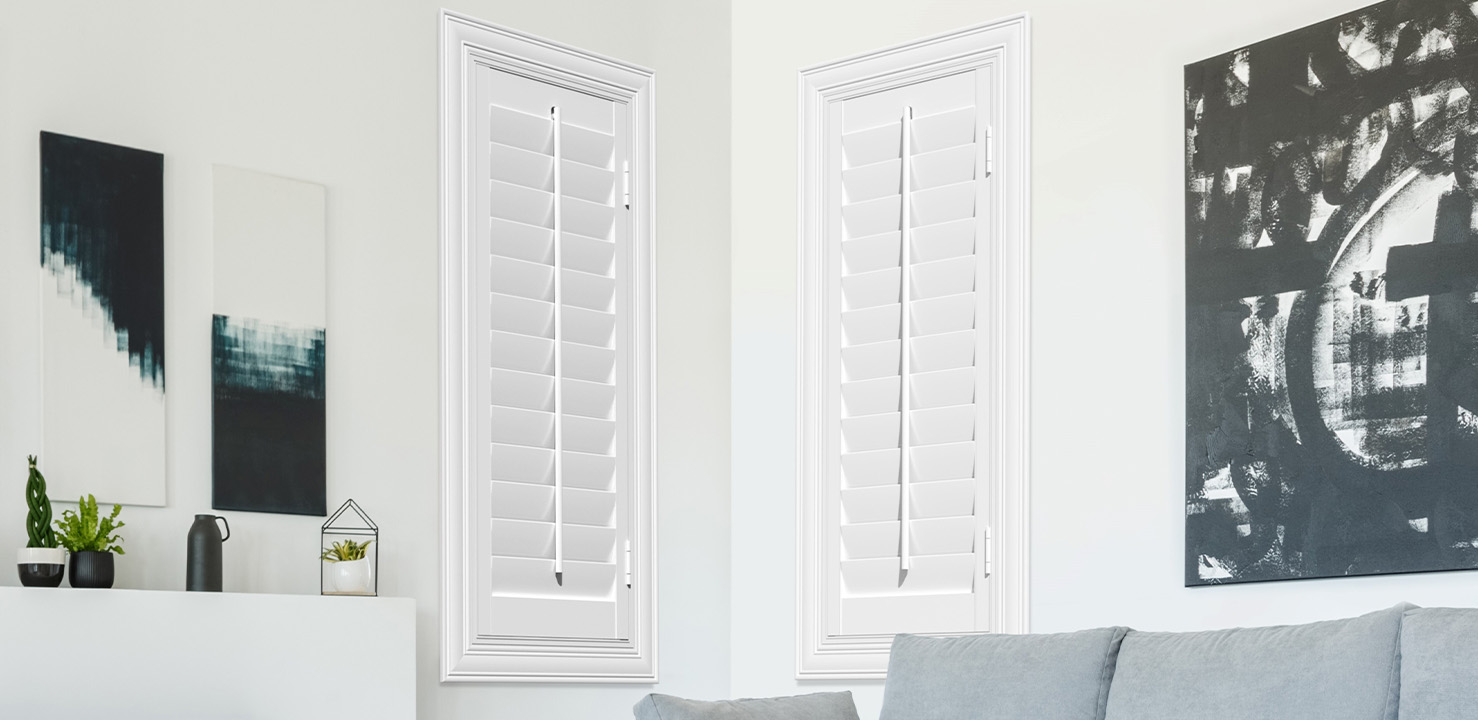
41 556
351 577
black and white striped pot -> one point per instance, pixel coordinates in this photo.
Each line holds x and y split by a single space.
41 567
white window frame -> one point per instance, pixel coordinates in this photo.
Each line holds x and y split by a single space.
466 657
1002 45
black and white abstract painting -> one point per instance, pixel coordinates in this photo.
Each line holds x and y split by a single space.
267 416
102 320
1332 299
268 344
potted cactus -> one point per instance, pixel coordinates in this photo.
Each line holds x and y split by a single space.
91 540
40 563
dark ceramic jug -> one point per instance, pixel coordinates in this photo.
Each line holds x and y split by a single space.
203 566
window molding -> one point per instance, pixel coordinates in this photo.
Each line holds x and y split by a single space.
1002 45
465 656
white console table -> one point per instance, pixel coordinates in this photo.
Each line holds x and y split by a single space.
145 654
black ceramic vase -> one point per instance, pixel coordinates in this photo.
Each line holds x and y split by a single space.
203 560
89 569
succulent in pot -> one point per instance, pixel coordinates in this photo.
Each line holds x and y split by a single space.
351 572
40 563
92 543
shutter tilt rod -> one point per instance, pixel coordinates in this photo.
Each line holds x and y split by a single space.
559 508
905 297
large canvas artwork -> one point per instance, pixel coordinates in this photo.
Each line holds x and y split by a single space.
102 321
1332 300
268 345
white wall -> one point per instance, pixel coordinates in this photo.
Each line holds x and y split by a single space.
1108 294
344 93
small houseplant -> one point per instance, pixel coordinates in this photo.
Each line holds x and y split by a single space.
349 570
40 563
91 540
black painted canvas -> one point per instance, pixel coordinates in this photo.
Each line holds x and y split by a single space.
102 313
102 226
268 421
1332 300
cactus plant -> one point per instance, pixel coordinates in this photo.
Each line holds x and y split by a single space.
38 514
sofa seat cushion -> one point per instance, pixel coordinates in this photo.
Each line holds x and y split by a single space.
816 706
1347 669
1439 664
1001 677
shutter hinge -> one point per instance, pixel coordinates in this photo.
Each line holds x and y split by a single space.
987 551
990 151
628 564
626 184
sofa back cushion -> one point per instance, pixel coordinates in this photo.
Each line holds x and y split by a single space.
1439 664
816 706
1006 677
1347 669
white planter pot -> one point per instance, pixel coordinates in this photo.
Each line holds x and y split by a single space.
41 556
351 577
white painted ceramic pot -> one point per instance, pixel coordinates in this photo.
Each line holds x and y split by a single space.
351 577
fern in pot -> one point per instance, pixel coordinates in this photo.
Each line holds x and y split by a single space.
349 571
90 538
40 563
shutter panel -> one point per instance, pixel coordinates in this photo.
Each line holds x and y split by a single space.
555 528
912 342
906 486
548 564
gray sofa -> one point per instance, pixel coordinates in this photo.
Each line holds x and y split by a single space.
1402 663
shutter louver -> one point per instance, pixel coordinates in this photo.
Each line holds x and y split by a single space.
907 485
554 524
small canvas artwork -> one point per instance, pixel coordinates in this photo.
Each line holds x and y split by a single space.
102 321
267 416
1332 299
268 345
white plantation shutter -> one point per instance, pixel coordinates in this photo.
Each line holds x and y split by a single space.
552 578
904 460
910 171
555 537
